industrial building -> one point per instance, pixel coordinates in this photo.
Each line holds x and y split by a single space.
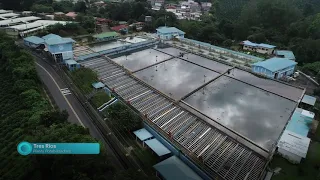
220 120
275 68
30 28
260 48
167 33
61 49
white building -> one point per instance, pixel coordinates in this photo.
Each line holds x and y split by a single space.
26 29
260 48
293 146
16 21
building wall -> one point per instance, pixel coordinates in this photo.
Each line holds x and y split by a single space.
29 44
289 156
168 36
259 49
265 50
282 73
59 48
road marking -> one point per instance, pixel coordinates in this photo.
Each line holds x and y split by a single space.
65 91
62 94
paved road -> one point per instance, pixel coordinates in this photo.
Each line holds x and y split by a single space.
66 101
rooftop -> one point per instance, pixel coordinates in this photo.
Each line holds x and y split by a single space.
165 29
300 122
294 143
275 64
105 35
2 11
286 54
143 134
34 40
50 36
157 147
98 85
174 169
71 62
36 24
119 27
18 20
249 43
9 14
309 100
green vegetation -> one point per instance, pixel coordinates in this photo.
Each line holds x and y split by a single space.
27 116
70 29
83 78
99 98
122 117
307 169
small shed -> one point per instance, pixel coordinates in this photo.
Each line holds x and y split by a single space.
260 48
309 100
275 67
293 146
143 135
174 169
72 15
33 41
157 147
120 28
106 36
72 65
98 85
285 54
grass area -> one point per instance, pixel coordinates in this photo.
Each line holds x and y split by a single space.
308 169
100 98
84 78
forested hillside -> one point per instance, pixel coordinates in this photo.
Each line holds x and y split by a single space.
25 115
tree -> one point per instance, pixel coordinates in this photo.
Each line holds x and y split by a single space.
53 117
39 8
80 6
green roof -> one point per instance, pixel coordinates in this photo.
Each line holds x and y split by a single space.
105 35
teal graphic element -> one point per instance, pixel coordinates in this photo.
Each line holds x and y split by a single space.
24 148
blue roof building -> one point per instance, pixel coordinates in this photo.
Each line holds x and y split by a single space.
174 169
286 54
260 48
167 33
300 122
72 65
59 48
33 41
310 100
275 68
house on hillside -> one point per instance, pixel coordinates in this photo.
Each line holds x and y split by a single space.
167 33
275 68
260 48
72 15
106 36
120 28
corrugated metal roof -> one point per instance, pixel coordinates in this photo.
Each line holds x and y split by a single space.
105 35
8 15
249 43
266 46
50 36
143 134
17 20
34 39
174 169
299 122
309 100
36 24
275 64
157 147
294 143
286 54
169 30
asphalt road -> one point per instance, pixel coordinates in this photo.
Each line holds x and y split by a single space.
77 114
